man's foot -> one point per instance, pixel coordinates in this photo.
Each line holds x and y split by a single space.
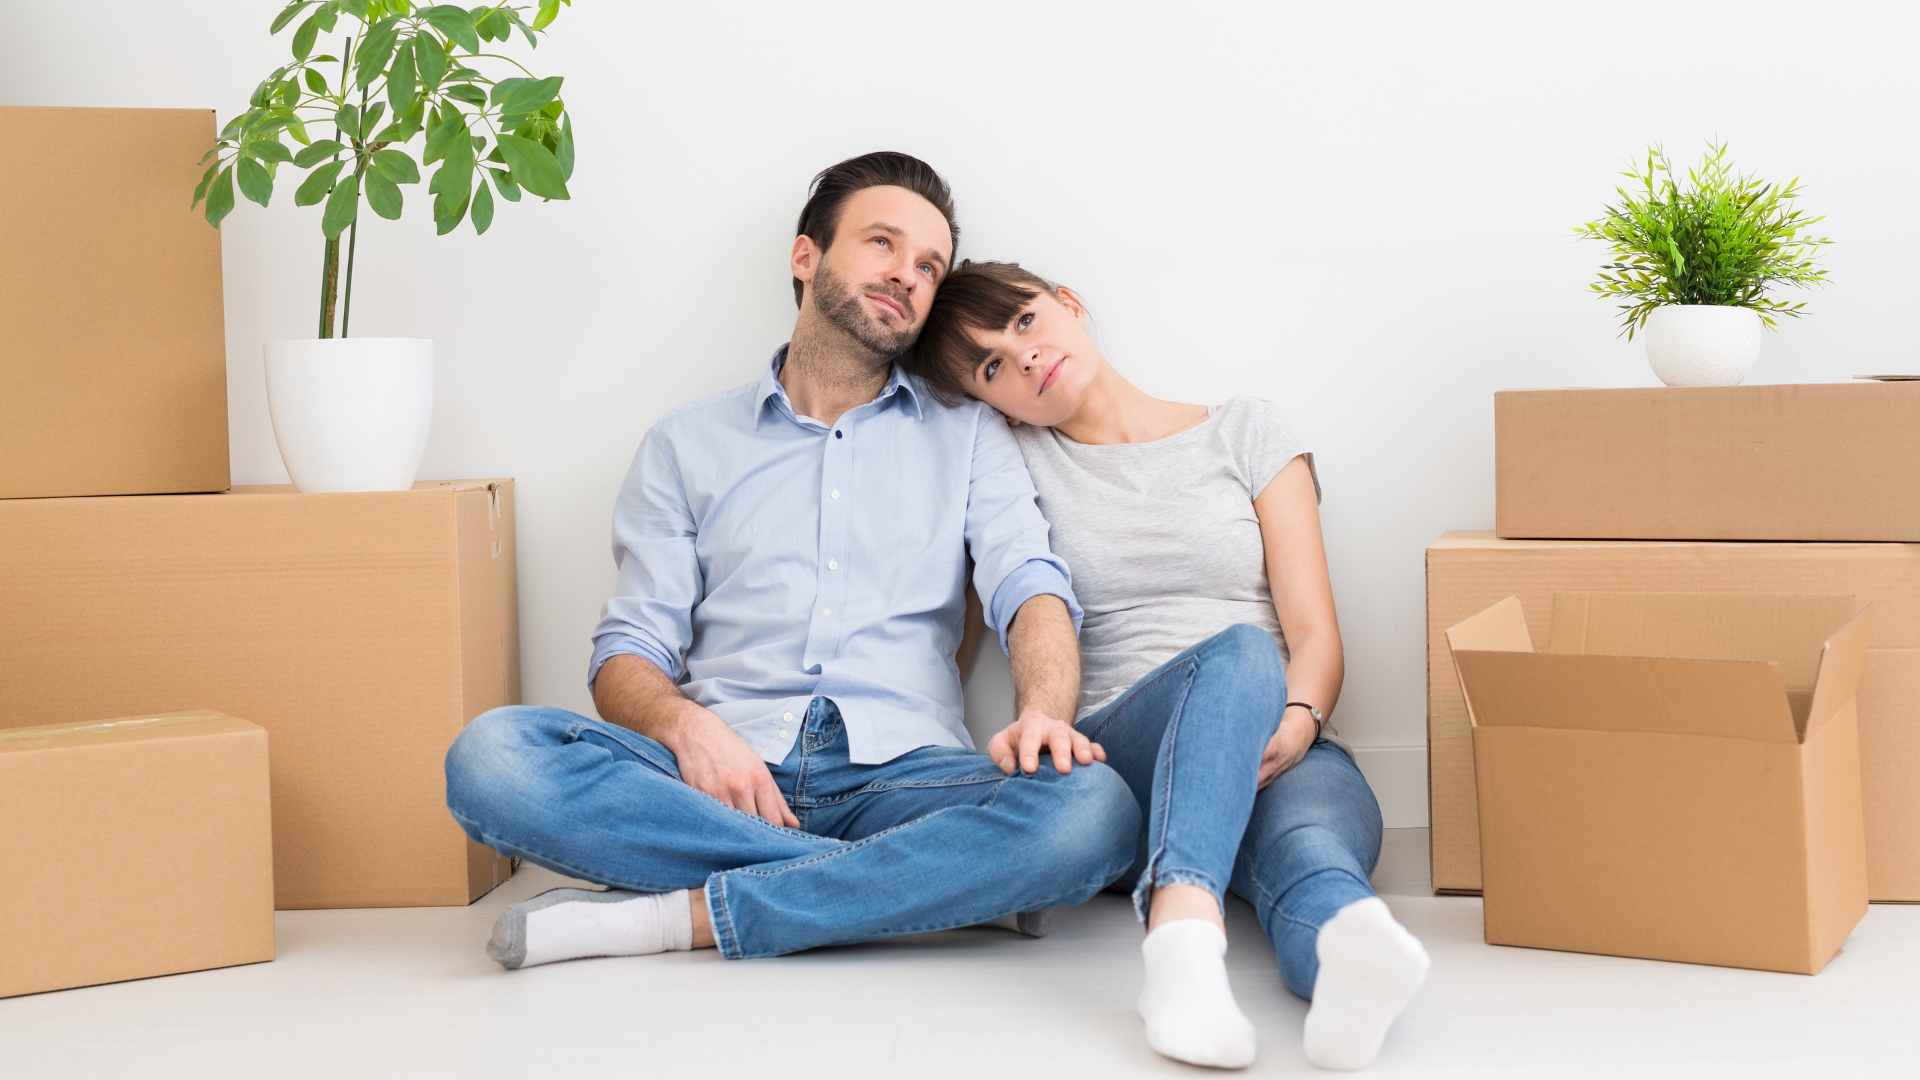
1370 967
1188 1006
567 924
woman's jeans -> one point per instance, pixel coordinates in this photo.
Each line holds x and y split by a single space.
1187 738
934 839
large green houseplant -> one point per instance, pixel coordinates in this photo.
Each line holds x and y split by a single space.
1694 262
368 82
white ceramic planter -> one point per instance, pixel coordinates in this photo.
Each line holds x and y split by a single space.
351 414
1702 344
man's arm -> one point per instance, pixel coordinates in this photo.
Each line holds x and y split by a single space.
1046 690
638 696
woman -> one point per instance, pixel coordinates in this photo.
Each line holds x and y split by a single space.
1211 660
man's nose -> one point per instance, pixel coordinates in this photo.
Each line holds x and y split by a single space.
901 274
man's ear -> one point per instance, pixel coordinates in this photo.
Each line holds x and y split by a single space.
805 259
1071 301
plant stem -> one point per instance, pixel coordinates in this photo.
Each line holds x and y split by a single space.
353 235
329 285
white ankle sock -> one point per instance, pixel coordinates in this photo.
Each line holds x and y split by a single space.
1188 1006
1370 967
566 924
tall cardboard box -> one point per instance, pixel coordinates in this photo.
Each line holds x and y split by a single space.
362 630
1469 571
1821 461
1676 776
133 847
113 357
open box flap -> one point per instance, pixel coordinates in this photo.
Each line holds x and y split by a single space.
1839 676
1791 629
1500 628
1728 699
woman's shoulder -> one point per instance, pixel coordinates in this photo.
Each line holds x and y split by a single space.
1261 438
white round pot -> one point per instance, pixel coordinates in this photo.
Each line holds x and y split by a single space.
1702 344
351 414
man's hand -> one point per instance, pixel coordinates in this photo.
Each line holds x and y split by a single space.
1020 743
713 758
1288 745
631 692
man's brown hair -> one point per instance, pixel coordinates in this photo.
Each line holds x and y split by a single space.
983 296
828 195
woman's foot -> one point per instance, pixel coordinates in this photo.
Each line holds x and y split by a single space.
1370 967
1189 1008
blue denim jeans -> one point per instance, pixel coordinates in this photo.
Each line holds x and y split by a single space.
934 839
1187 739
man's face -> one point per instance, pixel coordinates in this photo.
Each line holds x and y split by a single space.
877 279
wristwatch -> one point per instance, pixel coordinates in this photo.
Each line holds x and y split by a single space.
1319 722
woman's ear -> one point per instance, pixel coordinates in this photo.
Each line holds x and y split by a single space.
1071 301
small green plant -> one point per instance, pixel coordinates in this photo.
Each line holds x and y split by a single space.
1721 238
403 70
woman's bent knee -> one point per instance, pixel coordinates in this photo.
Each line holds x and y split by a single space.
1246 653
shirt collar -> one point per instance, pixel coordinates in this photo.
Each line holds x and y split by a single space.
898 383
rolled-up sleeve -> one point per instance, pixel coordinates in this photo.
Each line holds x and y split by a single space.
1006 534
651 612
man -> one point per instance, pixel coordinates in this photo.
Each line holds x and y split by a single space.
782 762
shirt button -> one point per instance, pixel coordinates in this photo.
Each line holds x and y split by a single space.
826 611
788 718
783 733
835 493
833 564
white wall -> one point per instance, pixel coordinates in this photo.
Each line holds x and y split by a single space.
1361 212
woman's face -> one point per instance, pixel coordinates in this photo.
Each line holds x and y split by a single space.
1039 367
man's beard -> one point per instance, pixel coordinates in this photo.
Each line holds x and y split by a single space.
840 305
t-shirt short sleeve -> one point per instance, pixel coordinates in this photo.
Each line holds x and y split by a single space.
1262 441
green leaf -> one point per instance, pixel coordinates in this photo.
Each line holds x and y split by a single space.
255 184
401 85
316 153
472 95
482 209
348 121
430 59
455 23
549 9
288 14
220 197
314 188
270 150
299 132
303 37
486 24
206 181
342 207
396 166
564 155
328 14
509 190
385 198
371 118
519 96
534 167
375 51
316 82
443 137
355 8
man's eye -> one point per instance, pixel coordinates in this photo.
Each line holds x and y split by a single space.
927 269
986 373
1025 320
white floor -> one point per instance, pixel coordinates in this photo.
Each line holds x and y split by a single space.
409 993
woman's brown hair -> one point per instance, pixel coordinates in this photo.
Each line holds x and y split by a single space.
983 296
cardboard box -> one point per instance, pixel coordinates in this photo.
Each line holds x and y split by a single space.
362 630
1822 461
135 847
1469 571
1676 776
113 353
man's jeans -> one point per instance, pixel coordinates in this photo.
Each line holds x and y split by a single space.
1188 738
934 839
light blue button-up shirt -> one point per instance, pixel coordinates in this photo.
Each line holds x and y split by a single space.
766 558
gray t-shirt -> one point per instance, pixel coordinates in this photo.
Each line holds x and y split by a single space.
1161 536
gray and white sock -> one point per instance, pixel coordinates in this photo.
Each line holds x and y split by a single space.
568 924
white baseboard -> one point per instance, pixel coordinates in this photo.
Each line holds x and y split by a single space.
1398 775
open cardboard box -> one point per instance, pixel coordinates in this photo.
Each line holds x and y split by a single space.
1677 776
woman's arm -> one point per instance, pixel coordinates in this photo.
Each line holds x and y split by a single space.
1289 515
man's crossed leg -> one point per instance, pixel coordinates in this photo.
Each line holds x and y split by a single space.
934 839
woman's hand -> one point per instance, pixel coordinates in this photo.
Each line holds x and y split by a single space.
1288 745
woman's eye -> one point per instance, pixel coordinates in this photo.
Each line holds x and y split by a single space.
882 241
1025 320
986 373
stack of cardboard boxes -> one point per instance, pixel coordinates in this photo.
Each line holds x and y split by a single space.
1750 524
353 635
